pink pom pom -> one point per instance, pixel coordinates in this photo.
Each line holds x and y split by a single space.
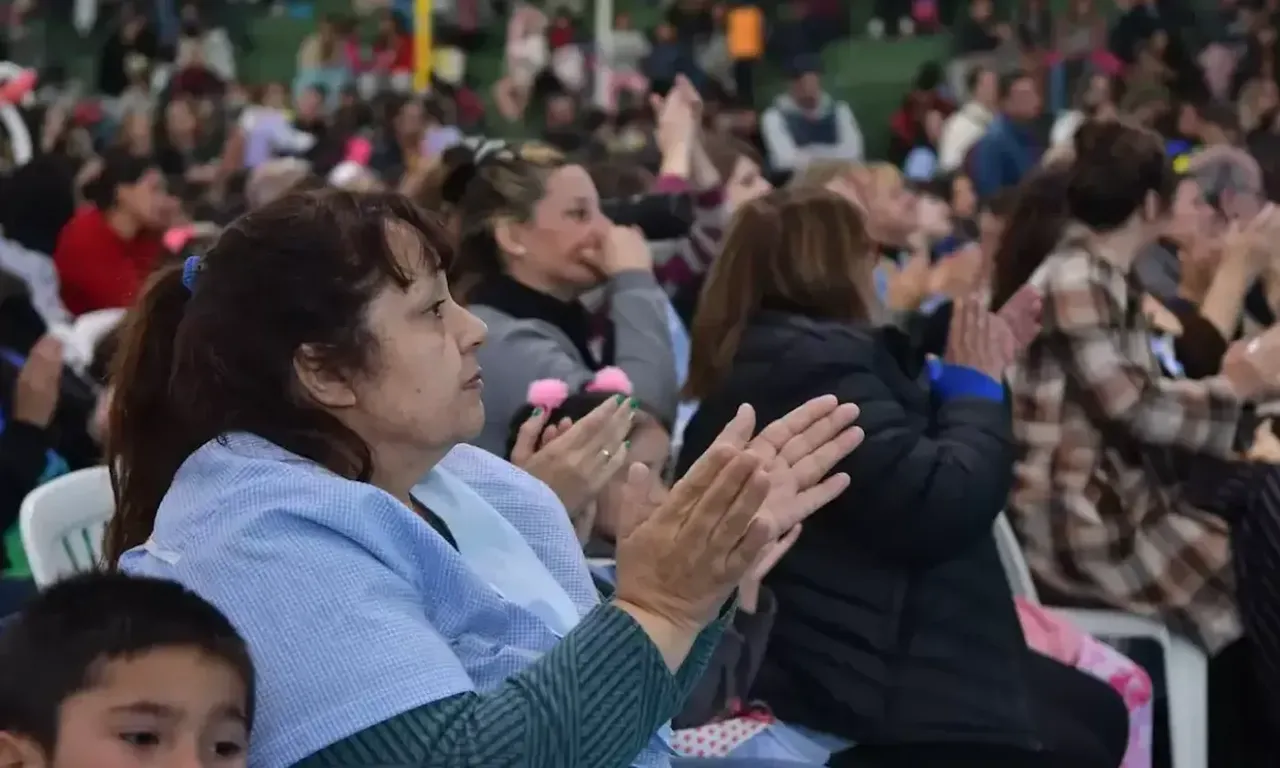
177 238
611 379
359 151
17 89
548 393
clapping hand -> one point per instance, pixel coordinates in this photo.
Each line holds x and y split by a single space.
792 455
991 342
1252 366
576 460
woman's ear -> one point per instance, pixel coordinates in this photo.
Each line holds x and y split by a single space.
325 386
20 752
507 234
1151 207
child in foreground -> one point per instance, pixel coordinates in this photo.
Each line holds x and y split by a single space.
110 671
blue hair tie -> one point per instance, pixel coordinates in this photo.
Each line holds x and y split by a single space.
190 268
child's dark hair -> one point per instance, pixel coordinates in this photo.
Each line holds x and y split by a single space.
573 407
58 645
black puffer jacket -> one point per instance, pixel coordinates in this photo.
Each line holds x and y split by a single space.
895 622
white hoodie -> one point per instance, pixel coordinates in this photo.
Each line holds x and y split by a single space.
960 132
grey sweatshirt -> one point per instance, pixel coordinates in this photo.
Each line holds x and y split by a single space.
519 352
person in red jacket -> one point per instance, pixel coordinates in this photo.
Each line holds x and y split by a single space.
107 249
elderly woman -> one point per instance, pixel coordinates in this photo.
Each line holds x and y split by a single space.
283 444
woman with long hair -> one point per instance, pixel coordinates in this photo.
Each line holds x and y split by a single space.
895 627
284 441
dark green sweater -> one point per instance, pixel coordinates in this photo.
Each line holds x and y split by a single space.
594 700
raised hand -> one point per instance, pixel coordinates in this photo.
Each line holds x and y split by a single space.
991 342
798 450
1021 314
749 587
1252 366
576 460
626 250
681 563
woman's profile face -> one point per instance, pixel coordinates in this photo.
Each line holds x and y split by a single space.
419 391
144 199
746 183
564 243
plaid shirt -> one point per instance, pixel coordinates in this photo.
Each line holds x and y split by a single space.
1098 499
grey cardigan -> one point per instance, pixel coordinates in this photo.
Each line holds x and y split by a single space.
518 352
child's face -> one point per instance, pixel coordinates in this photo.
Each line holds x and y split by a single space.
167 708
651 446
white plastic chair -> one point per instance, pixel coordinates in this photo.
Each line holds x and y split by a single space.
62 523
1186 668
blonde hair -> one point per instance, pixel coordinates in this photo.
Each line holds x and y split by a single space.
823 172
877 175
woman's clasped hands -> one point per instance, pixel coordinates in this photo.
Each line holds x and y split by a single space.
731 512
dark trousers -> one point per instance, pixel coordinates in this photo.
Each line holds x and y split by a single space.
1081 721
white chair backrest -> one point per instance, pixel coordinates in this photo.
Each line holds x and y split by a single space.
1015 564
62 523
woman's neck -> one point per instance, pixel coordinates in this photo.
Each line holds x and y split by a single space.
541 283
399 470
122 224
1121 246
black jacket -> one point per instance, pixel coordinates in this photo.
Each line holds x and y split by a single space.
895 622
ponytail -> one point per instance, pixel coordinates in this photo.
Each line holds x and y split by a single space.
146 455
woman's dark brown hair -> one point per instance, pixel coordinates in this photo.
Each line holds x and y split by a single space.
805 250
195 365
1033 226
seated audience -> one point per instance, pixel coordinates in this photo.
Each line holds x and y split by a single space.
895 626
909 124
534 242
284 432
962 130
1011 146
107 249
105 669
723 692
806 124
1106 440
325 59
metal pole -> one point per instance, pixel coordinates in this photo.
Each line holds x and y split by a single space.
422 45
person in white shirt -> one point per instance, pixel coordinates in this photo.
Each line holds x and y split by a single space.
806 124
966 125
